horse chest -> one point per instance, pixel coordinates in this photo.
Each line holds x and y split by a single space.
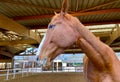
93 75
106 78
101 79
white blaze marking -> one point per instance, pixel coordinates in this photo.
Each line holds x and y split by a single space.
40 45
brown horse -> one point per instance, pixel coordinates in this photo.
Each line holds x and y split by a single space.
101 63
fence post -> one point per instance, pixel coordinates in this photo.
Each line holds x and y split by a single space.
32 70
36 69
22 72
27 71
7 76
14 72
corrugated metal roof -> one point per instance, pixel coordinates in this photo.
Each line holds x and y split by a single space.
28 12
34 22
15 8
100 17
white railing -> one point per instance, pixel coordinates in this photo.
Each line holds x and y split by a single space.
13 73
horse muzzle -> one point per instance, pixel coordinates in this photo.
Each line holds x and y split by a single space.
43 62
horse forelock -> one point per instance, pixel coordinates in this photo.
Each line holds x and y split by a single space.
59 17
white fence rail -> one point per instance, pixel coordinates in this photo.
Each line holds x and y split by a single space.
12 73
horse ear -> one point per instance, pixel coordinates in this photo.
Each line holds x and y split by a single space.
64 7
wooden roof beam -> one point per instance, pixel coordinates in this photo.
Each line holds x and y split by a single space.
116 49
75 14
12 43
105 34
9 24
86 24
6 53
102 23
5 60
114 35
105 11
99 6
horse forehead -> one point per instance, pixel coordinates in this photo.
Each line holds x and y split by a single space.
63 20
56 17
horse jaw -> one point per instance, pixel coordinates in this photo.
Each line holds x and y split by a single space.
43 57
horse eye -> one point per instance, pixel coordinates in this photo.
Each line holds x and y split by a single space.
51 26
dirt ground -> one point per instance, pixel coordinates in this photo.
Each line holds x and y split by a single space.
51 77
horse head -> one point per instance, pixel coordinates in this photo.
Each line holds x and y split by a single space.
60 35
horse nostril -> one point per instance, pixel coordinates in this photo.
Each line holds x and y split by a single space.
51 41
37 58
44 61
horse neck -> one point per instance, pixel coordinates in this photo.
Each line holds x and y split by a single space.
89 37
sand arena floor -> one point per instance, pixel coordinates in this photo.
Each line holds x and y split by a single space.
51 77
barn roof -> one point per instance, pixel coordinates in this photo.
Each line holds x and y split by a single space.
23 22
